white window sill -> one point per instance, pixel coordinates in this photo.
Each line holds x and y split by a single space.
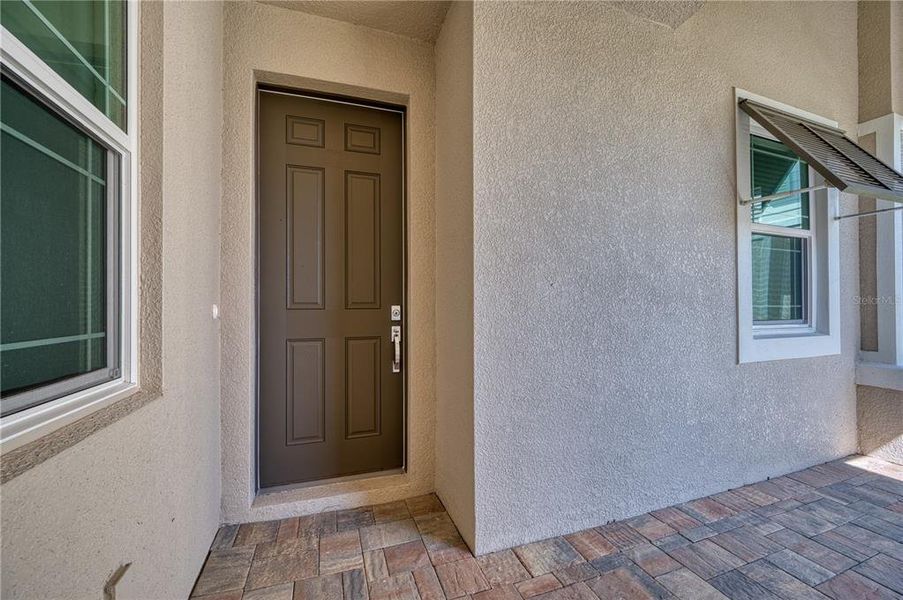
761 348
28 425
879 375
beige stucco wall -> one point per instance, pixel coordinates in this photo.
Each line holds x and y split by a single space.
308 52
454 267
880 58
880 419
605 337
875 65
146 489
896 55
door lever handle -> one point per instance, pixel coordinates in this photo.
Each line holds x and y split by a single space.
395 338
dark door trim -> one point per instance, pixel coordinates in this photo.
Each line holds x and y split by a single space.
263 88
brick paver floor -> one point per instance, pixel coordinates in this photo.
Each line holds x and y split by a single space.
831 531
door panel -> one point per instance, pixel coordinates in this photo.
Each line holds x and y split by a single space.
362 240
306 391
330 235
306 215
362 387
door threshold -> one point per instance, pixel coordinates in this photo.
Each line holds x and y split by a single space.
318 482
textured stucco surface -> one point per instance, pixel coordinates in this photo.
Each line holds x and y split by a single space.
880 58
305 51
412 18
875 84
880 415
896 55
605 334
454 267
670 13
123 494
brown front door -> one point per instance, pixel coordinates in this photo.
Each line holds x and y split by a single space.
330 269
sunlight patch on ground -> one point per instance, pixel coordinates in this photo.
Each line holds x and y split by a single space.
876 465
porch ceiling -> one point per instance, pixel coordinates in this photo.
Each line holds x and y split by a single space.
412 18
671 13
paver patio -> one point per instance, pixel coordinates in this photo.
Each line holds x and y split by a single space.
831 531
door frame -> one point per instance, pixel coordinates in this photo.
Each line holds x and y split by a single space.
265 88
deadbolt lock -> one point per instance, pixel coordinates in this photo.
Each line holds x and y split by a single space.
395 313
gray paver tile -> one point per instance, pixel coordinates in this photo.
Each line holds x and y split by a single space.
849 585
424 505
537 585
884 570
325 587
577 591
284 591
650 527
225 537
706 558
340 551
738 586
391 511
627 582
800 567
461 578
590 544
818 553
406 557
687 585
354 585
281 568
395 587
779 582
652 559
428 584
548 555
393 533
502 568
224 570
256 533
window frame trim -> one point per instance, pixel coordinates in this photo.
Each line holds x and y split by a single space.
820 335
23 400
806 325
35 422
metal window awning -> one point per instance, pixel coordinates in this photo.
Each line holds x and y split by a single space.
843 163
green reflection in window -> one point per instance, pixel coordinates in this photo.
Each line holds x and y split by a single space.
777 278
84 41
775 168
53 244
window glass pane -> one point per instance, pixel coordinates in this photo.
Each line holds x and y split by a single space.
53 246
775 169
116 53
82 40
778 273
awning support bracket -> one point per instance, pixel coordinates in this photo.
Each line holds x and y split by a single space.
815 188
761 199
869 213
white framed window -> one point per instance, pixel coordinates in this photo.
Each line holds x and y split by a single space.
68 293
787 249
